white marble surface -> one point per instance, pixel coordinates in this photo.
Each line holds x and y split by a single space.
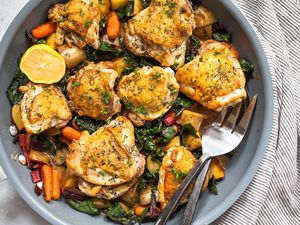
13 210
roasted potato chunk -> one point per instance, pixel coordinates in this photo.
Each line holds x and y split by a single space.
189 117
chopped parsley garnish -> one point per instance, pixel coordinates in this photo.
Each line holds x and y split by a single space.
104 112
141 110
75 84
105 97
151 87
156 76
87 23
179 175
82 12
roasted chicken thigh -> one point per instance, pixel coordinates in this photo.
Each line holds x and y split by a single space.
91 91
214 78
161 31
77 22
108 157
43 107
148 92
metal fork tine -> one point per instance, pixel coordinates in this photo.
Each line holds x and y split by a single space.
233 116
244 122
238 116
223 116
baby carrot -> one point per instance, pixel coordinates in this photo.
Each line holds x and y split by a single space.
56 185
113 26
70 133
43 30
47 176
139 210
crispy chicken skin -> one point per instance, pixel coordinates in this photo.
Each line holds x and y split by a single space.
108 157
43 107
214 78
77 22
148 92
176 164
106 192
161 31
91 91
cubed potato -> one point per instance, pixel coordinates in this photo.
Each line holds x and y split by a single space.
137 7
204 16
16 116
175 142
192 142
115 4
209 175
203 33
189 117
51 41
151 165
39 157
217 169
119 64
131 197
104 7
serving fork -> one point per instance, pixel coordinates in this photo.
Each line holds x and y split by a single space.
219 138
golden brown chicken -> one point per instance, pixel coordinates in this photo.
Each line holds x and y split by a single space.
43 107
91 91
214 78
176 164
148 92
108 157
77 22
161 31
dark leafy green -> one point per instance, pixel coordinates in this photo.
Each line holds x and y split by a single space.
168 133
192 49
87 206
87 123
116 213
182 102
222 37
247 67
62 84
186 130
179 175
212 186
13 94
134 62
146 3
125 13
145 137
106 52
42 142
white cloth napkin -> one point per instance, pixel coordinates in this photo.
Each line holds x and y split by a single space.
273 196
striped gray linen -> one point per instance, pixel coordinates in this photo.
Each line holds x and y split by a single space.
273 196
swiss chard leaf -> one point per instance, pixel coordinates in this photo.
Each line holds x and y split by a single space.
106 52
118 214
182 102
186 130
125 13
212 186
192 50
13 94
87 206
87 123
247 67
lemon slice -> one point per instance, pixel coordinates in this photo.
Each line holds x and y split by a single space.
42 64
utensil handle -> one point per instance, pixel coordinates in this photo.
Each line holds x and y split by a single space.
164 216
192 203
